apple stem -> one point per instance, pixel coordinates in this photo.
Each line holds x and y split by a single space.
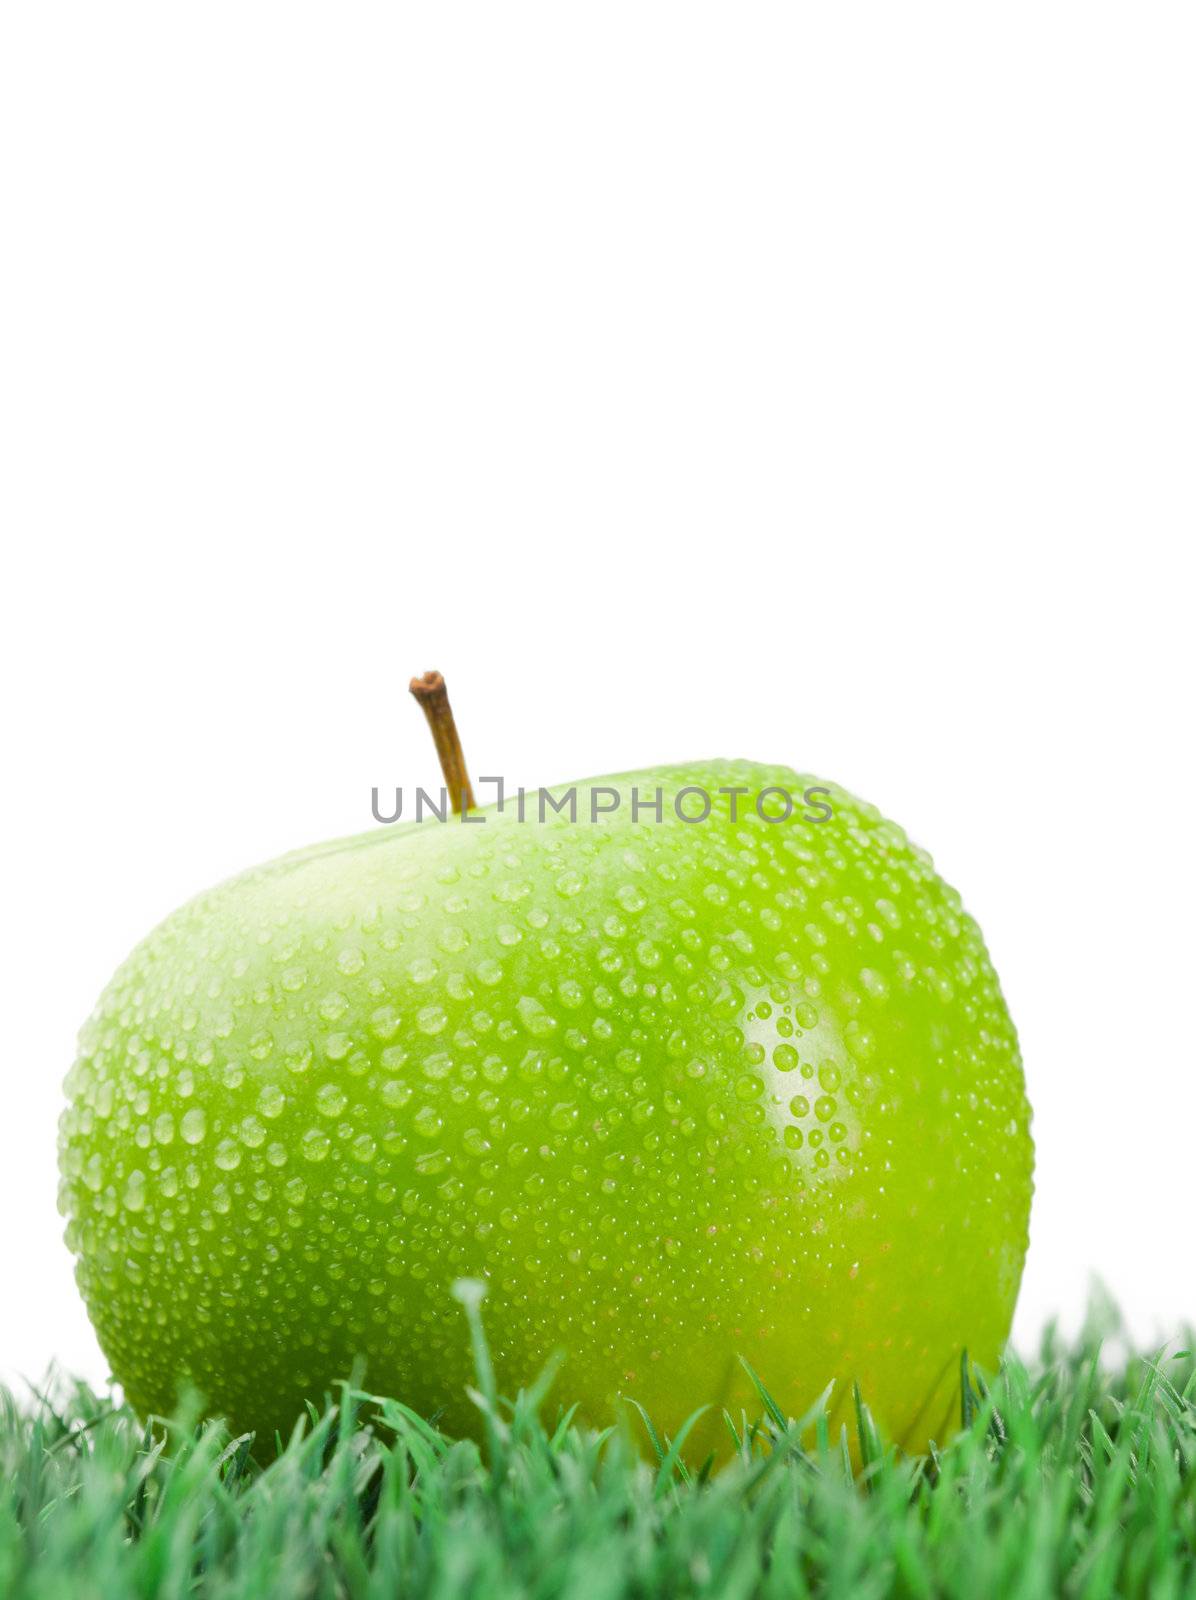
433 699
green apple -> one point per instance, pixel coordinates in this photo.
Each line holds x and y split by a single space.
678 1090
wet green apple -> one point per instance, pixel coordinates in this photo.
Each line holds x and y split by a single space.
679 1090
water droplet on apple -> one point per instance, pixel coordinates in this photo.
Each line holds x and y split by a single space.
330 1099
194 1125
315 1145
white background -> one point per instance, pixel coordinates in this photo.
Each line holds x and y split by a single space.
809 384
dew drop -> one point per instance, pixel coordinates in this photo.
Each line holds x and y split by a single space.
364 1148
228 1156
271 1100
333 1006
538 1022
876 985
428 1122
330 1099
194 1125
432 1020
315 1145
297 1056
563 1117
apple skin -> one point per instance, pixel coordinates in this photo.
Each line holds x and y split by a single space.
678 1091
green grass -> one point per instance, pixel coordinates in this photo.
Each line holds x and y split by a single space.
1074 1474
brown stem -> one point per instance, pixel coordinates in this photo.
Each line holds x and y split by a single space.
434 701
